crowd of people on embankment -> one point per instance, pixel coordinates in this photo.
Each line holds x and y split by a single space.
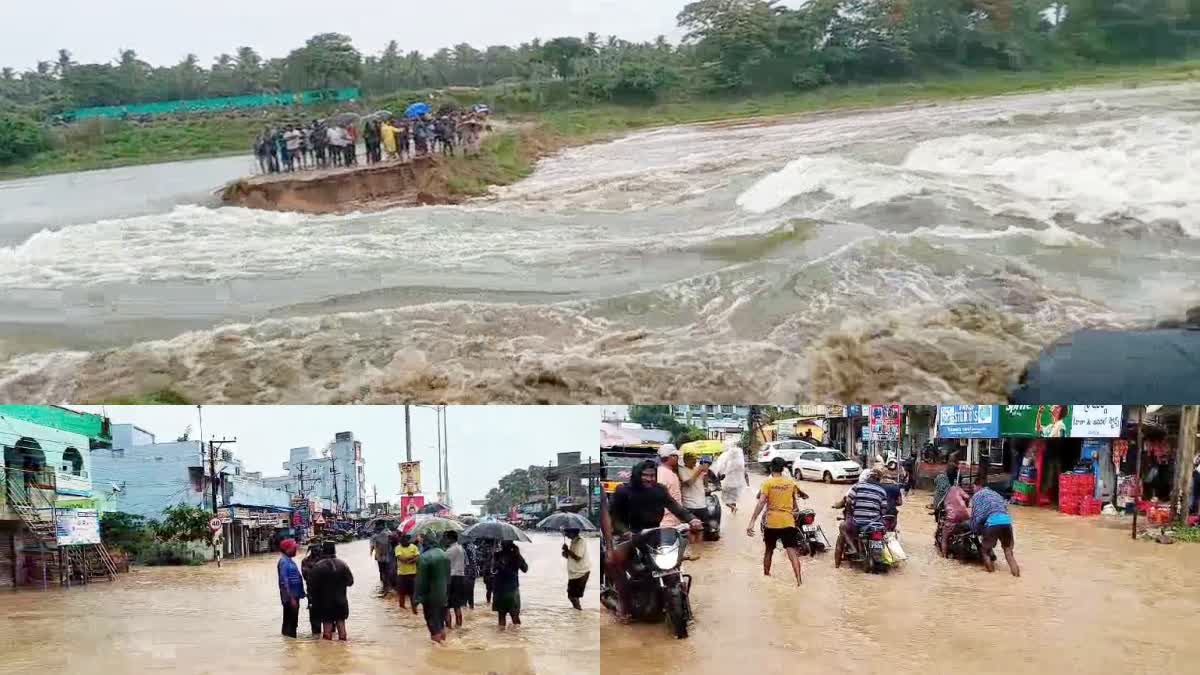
323 144
439 574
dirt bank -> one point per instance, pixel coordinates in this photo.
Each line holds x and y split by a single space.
505 158
342 190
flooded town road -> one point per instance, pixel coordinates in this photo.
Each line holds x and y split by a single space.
1089 600
226 620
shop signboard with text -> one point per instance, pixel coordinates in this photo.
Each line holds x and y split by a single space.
1095 421
968 421
1035 421
77 526
1060 421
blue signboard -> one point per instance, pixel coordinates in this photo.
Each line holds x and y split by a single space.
968 421
854 411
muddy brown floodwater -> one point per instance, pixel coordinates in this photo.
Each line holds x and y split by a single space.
227 620
1089 600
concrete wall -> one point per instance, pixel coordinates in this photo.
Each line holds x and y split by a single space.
253 493
129 435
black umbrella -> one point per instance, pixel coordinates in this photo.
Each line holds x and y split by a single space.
1111 366
563 520
495 530
433 508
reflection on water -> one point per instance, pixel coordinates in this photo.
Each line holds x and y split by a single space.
227 620
1089 600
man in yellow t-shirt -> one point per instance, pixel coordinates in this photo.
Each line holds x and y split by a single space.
777 495
406 571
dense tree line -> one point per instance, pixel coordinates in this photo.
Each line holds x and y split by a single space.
731 46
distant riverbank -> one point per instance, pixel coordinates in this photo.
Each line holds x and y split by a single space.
123 144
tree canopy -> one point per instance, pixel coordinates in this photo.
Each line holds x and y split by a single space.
729 46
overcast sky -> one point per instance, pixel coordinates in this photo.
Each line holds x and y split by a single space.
485 442
164 31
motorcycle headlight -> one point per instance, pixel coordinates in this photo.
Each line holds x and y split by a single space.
666 558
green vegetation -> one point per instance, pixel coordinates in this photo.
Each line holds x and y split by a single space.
739 58
152 542
660 417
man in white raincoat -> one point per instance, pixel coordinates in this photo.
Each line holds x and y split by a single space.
731 467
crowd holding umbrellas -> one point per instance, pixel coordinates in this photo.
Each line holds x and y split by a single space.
431 560
386 137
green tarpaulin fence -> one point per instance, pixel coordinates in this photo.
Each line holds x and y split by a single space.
215 104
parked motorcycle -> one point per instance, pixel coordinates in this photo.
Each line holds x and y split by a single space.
657 586
811 533
712 507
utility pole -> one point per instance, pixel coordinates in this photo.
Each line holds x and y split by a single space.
213 446
407 434
446 451
438 423
333 470
374 496
346 504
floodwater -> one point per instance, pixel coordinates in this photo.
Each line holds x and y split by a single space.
918 253
227 621
1089 600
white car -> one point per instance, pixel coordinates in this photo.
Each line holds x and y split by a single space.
827 465
790 451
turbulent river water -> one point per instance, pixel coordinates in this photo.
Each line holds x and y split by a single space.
901 254
1089 600
227 620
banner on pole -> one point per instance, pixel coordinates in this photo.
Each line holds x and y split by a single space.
410 477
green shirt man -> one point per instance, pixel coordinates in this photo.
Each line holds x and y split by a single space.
433 578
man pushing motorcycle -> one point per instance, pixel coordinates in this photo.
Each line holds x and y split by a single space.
638 505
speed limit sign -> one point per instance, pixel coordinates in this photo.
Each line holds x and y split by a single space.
214 524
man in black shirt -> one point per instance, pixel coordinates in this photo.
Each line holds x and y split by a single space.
636 506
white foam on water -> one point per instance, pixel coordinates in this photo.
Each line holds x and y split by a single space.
1144 168
856 183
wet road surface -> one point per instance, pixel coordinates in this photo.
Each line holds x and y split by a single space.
1089 600
227 620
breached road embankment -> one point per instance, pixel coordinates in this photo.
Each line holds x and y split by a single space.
419 181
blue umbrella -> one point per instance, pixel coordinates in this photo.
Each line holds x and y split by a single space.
416 110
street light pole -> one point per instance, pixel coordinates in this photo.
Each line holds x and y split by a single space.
446 451
407 434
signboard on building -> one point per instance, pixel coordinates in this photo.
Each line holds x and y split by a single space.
968 421
569 459
410 504
854 411
884 422
410 478
1035 421
836 411
812 410
70 484
1095 421
77 526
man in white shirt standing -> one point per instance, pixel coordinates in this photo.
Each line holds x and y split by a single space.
458 579
691 480
579 567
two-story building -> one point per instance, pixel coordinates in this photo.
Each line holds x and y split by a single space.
46 495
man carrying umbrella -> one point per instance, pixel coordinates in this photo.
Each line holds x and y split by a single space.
579 567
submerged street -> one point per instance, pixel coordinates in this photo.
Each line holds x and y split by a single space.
1088 600
227 620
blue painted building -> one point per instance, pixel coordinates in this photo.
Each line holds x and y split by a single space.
140 476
